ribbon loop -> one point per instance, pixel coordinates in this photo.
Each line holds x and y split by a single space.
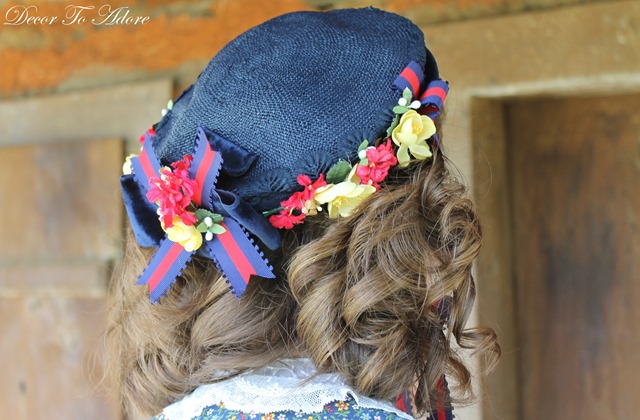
411 77
432 98
229 204
205 169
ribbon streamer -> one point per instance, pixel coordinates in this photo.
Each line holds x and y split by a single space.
443 410
166 264
232 251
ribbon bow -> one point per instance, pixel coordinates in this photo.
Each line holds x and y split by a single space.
233 251
433 96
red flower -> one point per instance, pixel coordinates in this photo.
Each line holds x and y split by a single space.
151 131
380 159
181 167
310 187
286 219
294 208
173 191
296 201
291 213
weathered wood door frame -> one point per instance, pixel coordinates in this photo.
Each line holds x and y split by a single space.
574 51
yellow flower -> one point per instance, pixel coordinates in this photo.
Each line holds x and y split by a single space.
342 197
187 236
411 134
269 416
342 406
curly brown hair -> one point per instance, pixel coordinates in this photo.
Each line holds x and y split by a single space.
358 295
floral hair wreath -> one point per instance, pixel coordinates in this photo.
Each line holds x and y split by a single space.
345 186
198 217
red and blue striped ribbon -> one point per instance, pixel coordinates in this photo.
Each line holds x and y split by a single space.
146 164
237 257
411 77
442 410
403 402
163 269
204 169
432 98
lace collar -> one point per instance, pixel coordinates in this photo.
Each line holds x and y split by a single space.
289 384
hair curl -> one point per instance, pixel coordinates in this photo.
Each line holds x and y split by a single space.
358 295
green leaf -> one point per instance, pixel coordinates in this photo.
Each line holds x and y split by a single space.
400 109
201 214
338 172
202 228
217 229
406 94
363 145
364 162
393 125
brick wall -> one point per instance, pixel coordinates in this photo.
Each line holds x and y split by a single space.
177 40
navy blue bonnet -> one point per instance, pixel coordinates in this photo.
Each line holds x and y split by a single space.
299 92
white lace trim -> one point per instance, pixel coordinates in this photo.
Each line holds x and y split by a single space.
282 386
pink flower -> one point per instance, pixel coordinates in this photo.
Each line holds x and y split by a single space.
172 191
380 159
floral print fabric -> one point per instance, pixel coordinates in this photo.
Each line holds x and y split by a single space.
347 409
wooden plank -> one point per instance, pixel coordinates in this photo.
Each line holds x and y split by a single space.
121 111
496 288
52 348
61 201
13 381
61 337
575 168
76 279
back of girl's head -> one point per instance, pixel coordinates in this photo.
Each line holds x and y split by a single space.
371 277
